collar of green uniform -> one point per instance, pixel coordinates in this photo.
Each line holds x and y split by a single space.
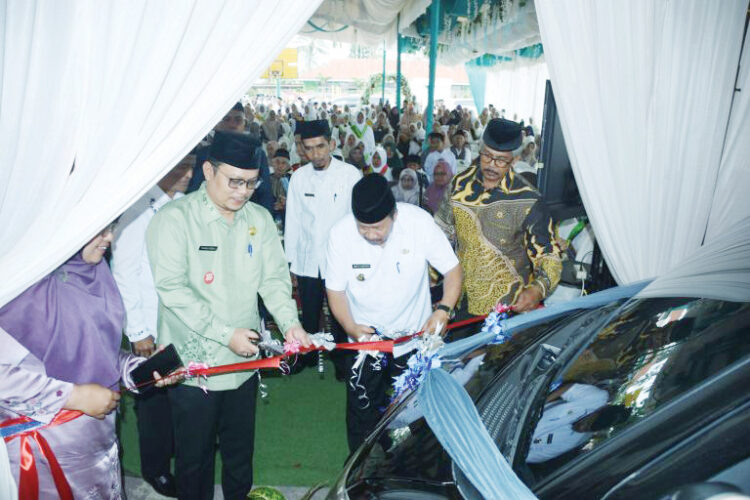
208 209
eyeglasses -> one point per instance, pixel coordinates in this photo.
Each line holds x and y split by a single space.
497 160
238 183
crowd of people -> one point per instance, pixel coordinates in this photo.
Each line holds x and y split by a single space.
397 228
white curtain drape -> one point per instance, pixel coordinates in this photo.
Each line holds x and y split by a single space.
720 269
732 199
122 90
644 90
518 88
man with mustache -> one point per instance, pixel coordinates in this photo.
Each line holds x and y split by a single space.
378 279
319 194
501 227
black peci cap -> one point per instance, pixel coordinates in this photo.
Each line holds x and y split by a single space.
502 135
372 199
234 149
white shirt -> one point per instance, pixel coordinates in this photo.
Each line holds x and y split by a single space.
388 286
315 201
554 433
130 265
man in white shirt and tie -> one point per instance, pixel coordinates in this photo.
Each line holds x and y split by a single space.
132 273
319 195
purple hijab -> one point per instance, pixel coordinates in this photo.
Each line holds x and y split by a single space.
71 320
434 193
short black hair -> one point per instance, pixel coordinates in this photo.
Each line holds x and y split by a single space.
436 135
238 107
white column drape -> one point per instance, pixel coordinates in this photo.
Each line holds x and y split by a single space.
644 90
121 90
732 199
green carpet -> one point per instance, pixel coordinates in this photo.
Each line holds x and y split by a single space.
300 433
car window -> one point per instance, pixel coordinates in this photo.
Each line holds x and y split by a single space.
653 351
407 448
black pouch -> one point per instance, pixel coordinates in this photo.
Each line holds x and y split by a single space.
164 362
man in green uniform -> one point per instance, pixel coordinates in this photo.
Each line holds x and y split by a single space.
501 227
212 252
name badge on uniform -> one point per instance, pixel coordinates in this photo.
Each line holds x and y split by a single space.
360 266
207 248
311 195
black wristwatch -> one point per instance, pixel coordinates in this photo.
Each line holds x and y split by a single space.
445 308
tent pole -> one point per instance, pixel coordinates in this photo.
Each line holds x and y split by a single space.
382 86
398 64
434 27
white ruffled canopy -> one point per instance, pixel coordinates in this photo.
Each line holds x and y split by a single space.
656 132
101 98
364 22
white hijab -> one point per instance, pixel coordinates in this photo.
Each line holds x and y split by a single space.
407 195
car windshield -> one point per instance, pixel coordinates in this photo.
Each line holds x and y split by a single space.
651 352
407 448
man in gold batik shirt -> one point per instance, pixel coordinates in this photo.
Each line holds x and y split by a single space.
502 230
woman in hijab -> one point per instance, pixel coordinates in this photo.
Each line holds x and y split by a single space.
407 190
381 128
271 128
349 143
379 164
65 331
356 157
442 177
393 159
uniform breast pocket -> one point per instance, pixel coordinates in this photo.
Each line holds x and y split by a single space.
361 273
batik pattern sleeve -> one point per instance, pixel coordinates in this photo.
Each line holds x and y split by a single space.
276 285
542 249
167 252
444 217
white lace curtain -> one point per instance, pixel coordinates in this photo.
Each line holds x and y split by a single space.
121 90
645 89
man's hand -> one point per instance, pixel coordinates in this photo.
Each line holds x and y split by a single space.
144 347
360 332
437 318
527 300
241 342
296 332
93 400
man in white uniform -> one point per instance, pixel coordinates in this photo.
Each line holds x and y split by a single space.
377 279
319 195
571 415
132 273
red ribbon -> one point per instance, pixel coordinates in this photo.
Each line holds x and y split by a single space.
275 362
28 481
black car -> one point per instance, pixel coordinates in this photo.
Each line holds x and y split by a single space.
635 399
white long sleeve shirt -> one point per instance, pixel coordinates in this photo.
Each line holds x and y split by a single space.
130 265
315 201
